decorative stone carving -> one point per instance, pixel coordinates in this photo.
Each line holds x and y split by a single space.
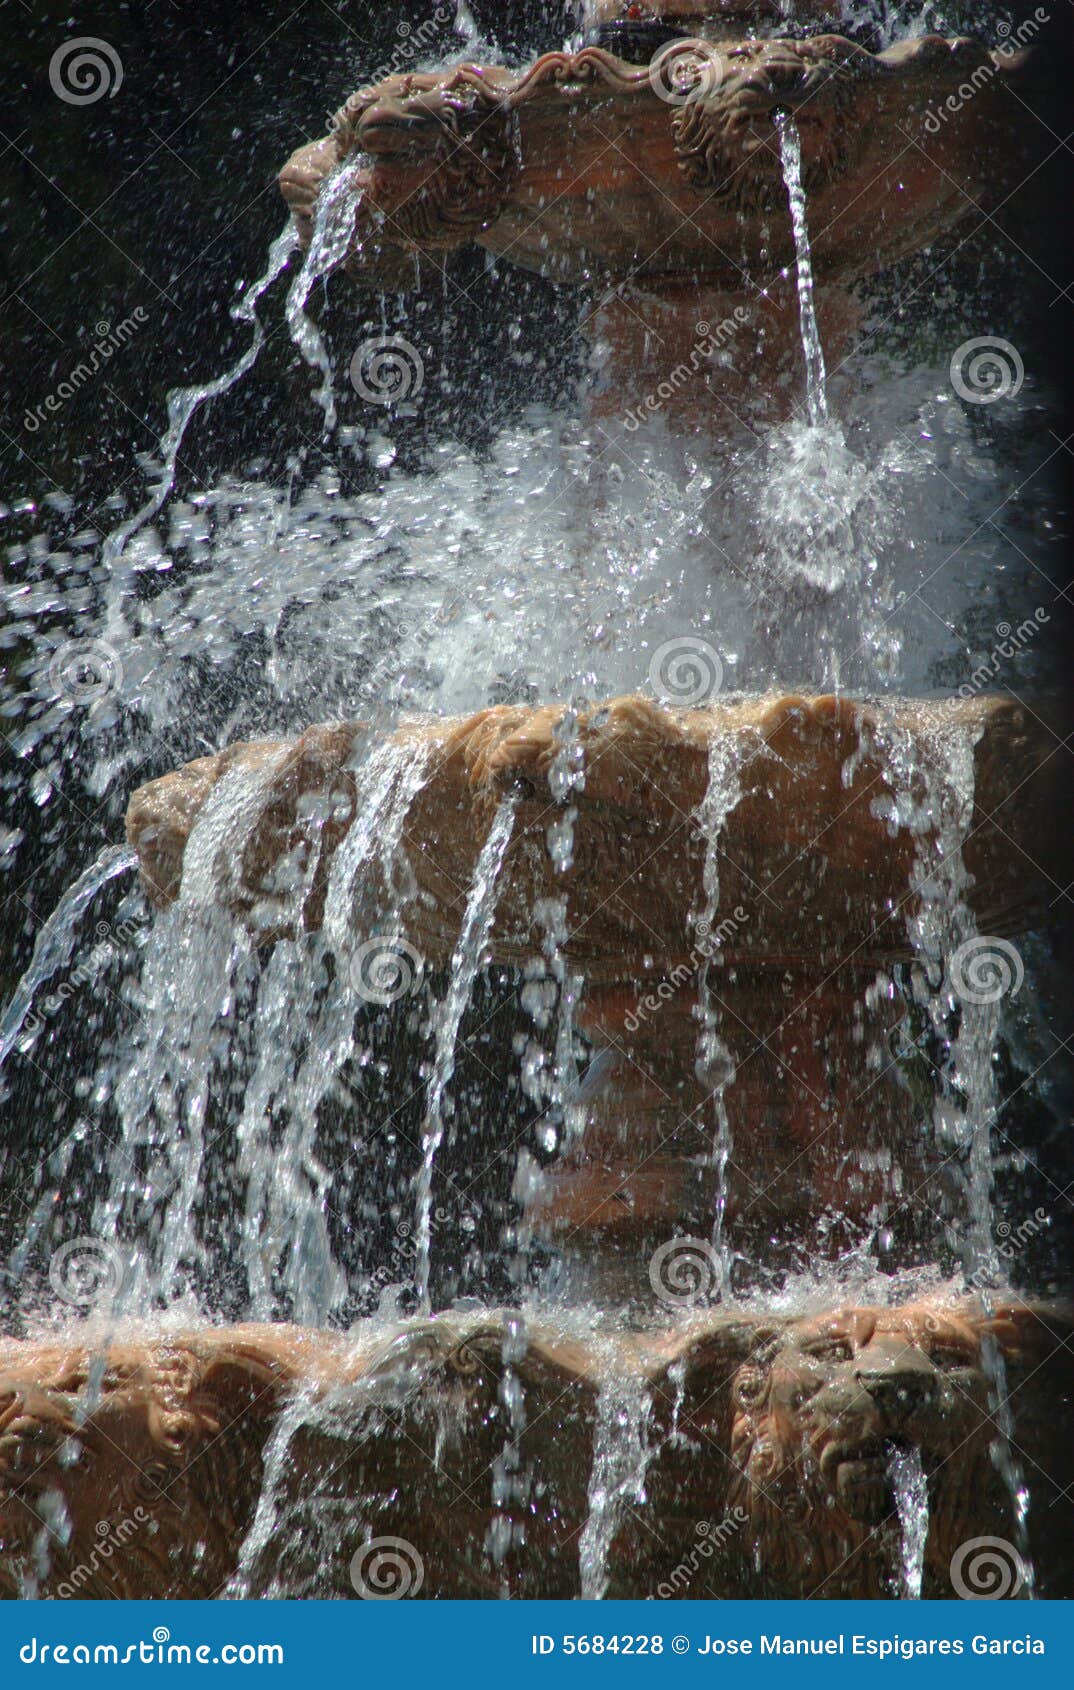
781 1426
582 167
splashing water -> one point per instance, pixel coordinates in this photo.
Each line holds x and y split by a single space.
935 797
715 1065
183 402
465 962
510 1481
333 232
621 1456
912 1502
55 942
204 985
578 596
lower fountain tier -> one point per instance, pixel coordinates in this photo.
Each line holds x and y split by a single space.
737 1454
843 820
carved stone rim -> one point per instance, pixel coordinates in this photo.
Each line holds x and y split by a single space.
496 88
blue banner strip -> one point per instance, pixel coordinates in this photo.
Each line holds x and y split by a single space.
539 1643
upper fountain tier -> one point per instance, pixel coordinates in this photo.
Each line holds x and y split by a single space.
588 167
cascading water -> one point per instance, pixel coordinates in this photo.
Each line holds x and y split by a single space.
912 1507
790 152
56 940
332 235
715 1065
465 962
621 1456
962 979
184 402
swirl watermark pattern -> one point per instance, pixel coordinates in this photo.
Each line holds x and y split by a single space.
987 1569
387 1569
385 969
987 369
84 671
387 370
86 1271
685 71
985 969
85 70
685 1272
685 671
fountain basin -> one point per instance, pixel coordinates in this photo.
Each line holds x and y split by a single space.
585 166
764 1427
818 862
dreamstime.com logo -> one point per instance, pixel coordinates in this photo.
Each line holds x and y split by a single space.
710 941
85 70
157 1651
110 339
987 369
987 1569
387 1569
710 341
387 370
411 42
1010 43
1012 1237
111 941
109 1538
687 671
1009 643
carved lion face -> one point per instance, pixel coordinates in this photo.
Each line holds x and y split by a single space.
821 1409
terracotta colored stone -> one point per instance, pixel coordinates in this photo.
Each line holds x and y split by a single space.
579 168
826 1144
714 18
794 1420
773 1430
813 866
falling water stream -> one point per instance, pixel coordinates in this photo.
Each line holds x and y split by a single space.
621 1456
465 962
184 402
57 938
943 932
715 1065
332 235
790 152
912 1504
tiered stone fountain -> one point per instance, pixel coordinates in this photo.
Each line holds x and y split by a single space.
744 902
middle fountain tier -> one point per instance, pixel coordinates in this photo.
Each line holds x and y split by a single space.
754 900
